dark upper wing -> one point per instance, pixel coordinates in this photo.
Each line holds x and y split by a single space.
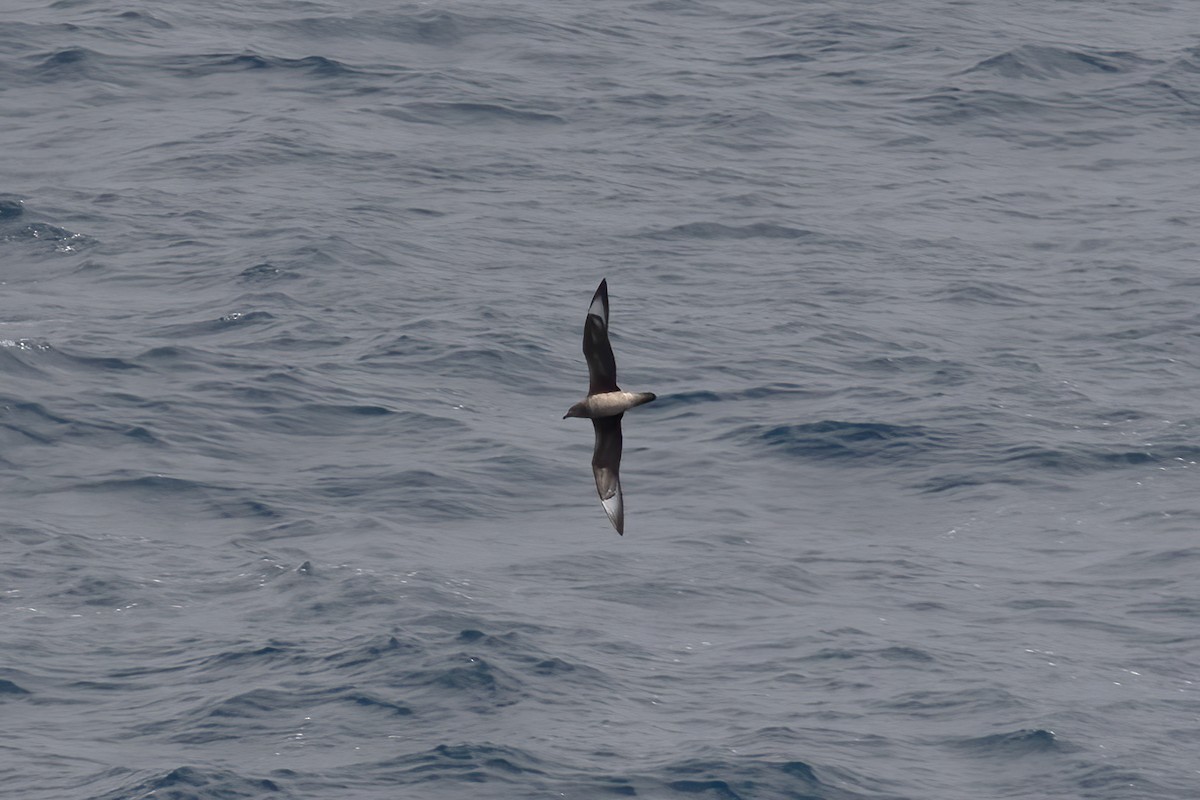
602 367
606 464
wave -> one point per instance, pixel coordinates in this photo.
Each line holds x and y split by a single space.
834 439
717 230
1045 62
195 783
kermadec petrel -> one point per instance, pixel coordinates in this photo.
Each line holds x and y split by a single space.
604 405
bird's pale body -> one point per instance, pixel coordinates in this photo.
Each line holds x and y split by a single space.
609 404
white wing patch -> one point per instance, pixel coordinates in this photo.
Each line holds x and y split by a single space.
596 309
614 507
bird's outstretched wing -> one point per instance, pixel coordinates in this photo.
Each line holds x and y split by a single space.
602 367
606 466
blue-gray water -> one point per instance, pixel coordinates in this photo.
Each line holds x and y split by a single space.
292 295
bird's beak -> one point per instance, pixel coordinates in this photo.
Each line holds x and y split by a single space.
566 415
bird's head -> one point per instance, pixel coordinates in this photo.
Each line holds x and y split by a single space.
577 410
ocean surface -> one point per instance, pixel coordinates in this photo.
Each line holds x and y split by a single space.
291 303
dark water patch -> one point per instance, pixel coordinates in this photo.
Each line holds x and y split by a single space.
936 372
33 423
18 357
156 485
553 666
141 435
375 703
1114 781
106 686
223 324
926 704
32 537
319 66
754 130
991 293
196 783
1012 745
261 150
461 113
10 209
353 411
649 100
1036 603
424 27
663 594
522 657
268 712
1123 414
1020 362
292 531
905 654
506 364
1136 332
894 655
54 238
982 483
146 18
1130 632
1043 62
170 357
1141 562
440 28
69 63
11 689
228 505
375 652
717 230
102 590
1188 60
203 65
468 678
308 603
332 419
745 779
503 640
283 340
703 396
469 765
834 439
96 363
263 273
1083 459
952 106
273 654
926 605
788 57
1170 607
253 704
909 141
718 789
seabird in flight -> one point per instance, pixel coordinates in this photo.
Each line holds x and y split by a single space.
604 405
